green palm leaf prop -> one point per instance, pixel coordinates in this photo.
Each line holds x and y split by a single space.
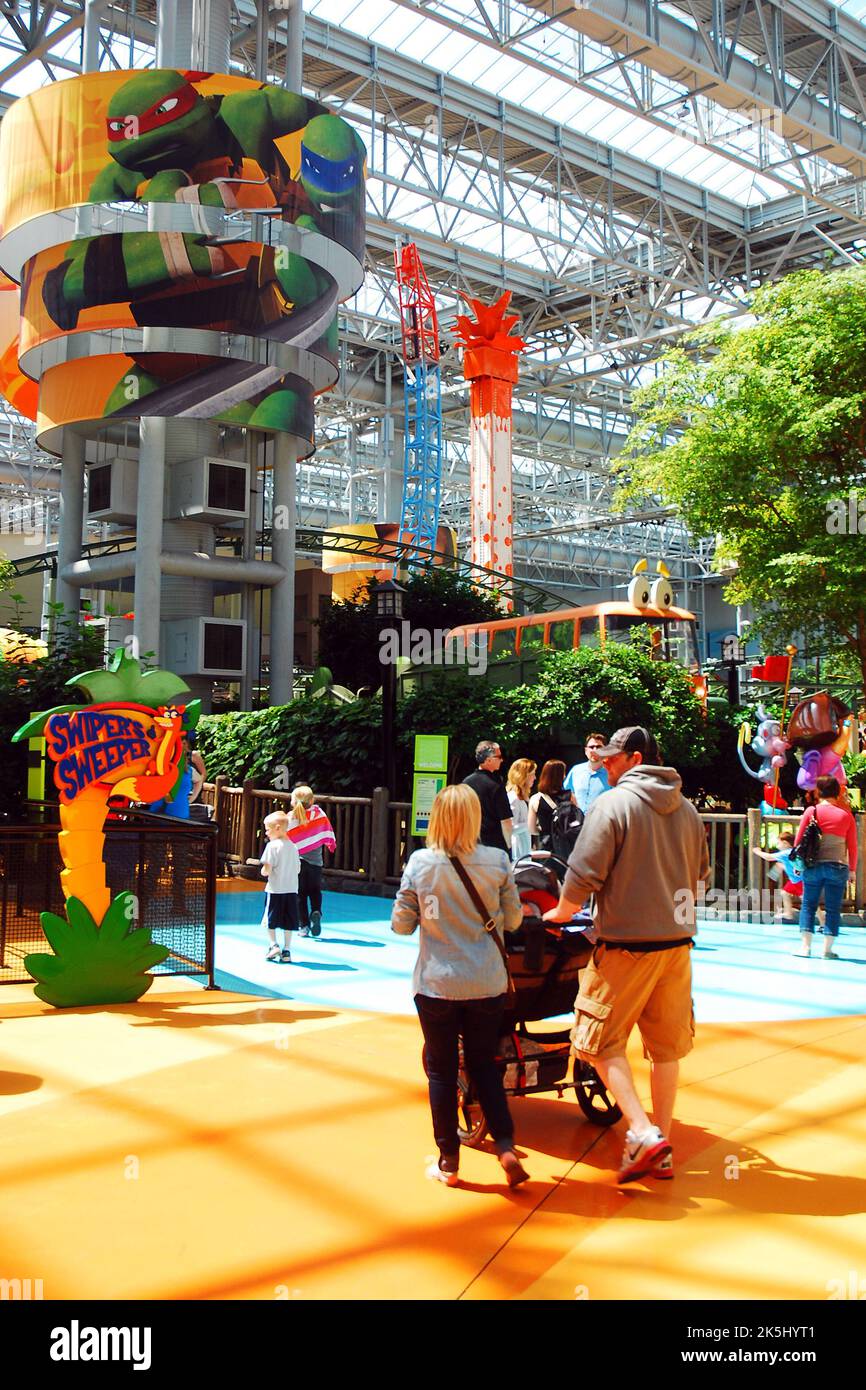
93 964
125 680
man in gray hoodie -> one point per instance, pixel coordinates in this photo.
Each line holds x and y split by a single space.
642 851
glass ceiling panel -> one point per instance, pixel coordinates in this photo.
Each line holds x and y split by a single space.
431 43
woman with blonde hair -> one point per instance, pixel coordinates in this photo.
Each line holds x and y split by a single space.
521 780
460 981
310 832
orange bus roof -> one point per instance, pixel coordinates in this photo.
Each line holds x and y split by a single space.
614 607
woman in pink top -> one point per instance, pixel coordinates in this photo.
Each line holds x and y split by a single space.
837 862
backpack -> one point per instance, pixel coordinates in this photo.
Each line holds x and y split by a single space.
565 826
810 845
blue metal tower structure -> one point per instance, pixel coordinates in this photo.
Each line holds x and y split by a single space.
422 395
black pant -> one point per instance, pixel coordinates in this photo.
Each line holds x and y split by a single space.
309 891
477 1021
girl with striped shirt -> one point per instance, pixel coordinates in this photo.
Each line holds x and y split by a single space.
311 832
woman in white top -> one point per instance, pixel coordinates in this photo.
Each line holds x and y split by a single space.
521 780
460 981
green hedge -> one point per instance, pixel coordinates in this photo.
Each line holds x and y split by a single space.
338 749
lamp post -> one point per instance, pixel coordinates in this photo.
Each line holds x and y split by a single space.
389 613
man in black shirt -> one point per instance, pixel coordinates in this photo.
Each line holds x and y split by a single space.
495 806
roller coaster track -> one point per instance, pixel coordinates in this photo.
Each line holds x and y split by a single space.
523 593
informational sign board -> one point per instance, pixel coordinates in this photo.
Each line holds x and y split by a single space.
430 776
425 787
431 752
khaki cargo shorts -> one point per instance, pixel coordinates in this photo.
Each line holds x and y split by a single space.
621 988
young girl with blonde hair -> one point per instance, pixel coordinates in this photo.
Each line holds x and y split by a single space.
521 780
311 832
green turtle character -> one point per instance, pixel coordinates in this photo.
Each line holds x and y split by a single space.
137 266
163 134
281 407
332 177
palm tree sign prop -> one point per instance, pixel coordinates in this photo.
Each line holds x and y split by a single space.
126 743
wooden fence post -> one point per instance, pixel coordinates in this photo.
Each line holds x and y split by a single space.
247 829
753 817
379 847
219 782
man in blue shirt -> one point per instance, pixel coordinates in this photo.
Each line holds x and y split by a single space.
588 780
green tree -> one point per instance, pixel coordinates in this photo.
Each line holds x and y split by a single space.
435 598
758 434
338 749
27 687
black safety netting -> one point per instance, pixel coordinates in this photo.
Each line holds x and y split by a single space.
170 867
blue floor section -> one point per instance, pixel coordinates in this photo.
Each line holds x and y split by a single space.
742 973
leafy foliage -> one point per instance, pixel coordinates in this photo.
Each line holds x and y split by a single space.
436 598
94 964
7 572
340 749
337 749
760 438
36 685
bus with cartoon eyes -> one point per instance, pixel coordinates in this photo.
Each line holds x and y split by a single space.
670 632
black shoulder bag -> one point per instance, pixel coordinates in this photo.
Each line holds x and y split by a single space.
487 920
809 847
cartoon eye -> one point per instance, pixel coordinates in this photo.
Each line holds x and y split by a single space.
165 106
117 125
639 591
661 594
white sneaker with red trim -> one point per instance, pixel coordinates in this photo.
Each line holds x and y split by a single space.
642 1153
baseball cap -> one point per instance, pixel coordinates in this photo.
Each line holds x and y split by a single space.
633 739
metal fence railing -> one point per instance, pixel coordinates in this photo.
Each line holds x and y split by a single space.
170 867
374 842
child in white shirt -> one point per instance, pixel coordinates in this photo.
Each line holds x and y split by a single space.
281 865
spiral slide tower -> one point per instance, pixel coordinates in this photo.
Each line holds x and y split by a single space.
182 238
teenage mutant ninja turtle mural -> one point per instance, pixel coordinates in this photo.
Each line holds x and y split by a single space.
169 143
214 141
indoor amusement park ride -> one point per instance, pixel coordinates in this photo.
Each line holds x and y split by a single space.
144 139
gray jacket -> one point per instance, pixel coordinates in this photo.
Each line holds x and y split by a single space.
455 958
642 851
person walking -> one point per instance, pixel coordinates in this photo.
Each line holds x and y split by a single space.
460 981
485 781
521 780
642 852
587 781
836 863
280 868
545 801
310 832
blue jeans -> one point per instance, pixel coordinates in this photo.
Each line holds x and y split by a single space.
832 878
477 1021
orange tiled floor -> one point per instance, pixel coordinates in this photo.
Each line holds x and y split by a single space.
206 1145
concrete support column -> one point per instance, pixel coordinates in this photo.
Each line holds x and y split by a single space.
249 611
283 523
293 31
148 535
71 519
284 508
72 461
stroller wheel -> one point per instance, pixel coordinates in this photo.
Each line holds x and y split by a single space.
471 1124
594 1099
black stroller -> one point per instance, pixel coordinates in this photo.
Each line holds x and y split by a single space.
545 962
